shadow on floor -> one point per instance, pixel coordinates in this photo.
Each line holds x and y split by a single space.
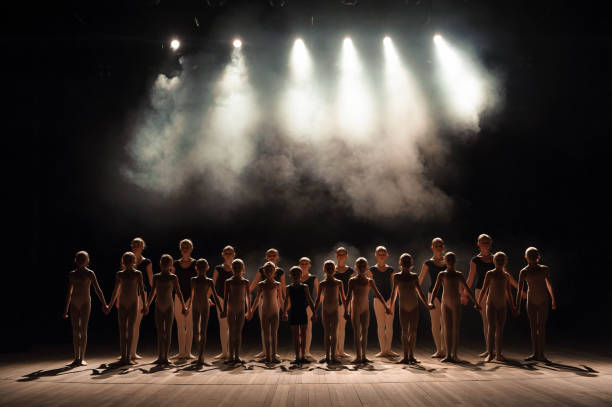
50 372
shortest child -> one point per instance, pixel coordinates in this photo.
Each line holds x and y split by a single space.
451 282
496 287
406 284
357 298
164 283
538 301
234 309
201 289
298 300
78 301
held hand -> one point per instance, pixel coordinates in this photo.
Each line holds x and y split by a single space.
477 307
431 306
347 316
554 305
464 300
106 310
285 316
314 318
248 315
185 310
388 310
223 314
515 312
211 302
65 315
145 310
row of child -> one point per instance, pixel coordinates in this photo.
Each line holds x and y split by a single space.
343 298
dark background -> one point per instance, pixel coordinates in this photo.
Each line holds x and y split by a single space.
78 72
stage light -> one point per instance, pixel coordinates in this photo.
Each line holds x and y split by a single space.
237 43
300 61
463 84
355 115
175 44
387 41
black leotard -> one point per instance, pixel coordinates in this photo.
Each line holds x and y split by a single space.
433 270
382 280
345 277
221 277
297 312
142 267
310 283
184 277
481 269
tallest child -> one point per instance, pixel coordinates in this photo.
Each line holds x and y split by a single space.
185 269
382 274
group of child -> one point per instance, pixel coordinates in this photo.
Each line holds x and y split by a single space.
183 289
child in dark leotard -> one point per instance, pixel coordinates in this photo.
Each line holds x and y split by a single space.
313 287
297 301
184 268
221 273
344 274
382 274
432 268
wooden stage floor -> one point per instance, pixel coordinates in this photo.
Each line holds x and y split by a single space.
575 378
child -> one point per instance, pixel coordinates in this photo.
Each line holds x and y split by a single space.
538 289
479 266
333 294
359 288
433 267
221 273
313 286
201 288
236 299
143 265
78 301
406 284
279 275
164 283
184 268
451 281
128 286
298 299
382 274
343 273
496 287
269 289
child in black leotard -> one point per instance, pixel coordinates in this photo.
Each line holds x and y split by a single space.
298 299
344 274
382 274
313 287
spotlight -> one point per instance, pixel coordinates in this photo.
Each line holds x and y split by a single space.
387 41
438 39
347 42
175 44
237 43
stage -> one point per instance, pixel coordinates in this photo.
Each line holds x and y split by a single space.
573 378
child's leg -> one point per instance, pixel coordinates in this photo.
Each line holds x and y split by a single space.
341 331
356 322
136 332
240 325
389 332
223 330
485 321
130 320
436 326
404 323
499 331
295 335
491 314
159 326
533 325
188 332
413 325
266 330
456 315
542 314
447 323
302 329
365 324
167 320
325 323
332 319
75 320
84 322
180 326
308 339
263 341
379 312
122 318
274 336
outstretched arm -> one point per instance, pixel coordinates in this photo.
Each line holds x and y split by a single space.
485 287
550 291
68 297
521 283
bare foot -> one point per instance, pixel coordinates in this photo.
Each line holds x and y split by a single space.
123 361
392 353
309 357
74 363
344 355
82 363
157 362
132 362
324 360
484 354
488 358
262 360
530 358
260 354
190 356
447 359
136 356
438 355
412 360
380 354
500 358
220 356
275 360
238 360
